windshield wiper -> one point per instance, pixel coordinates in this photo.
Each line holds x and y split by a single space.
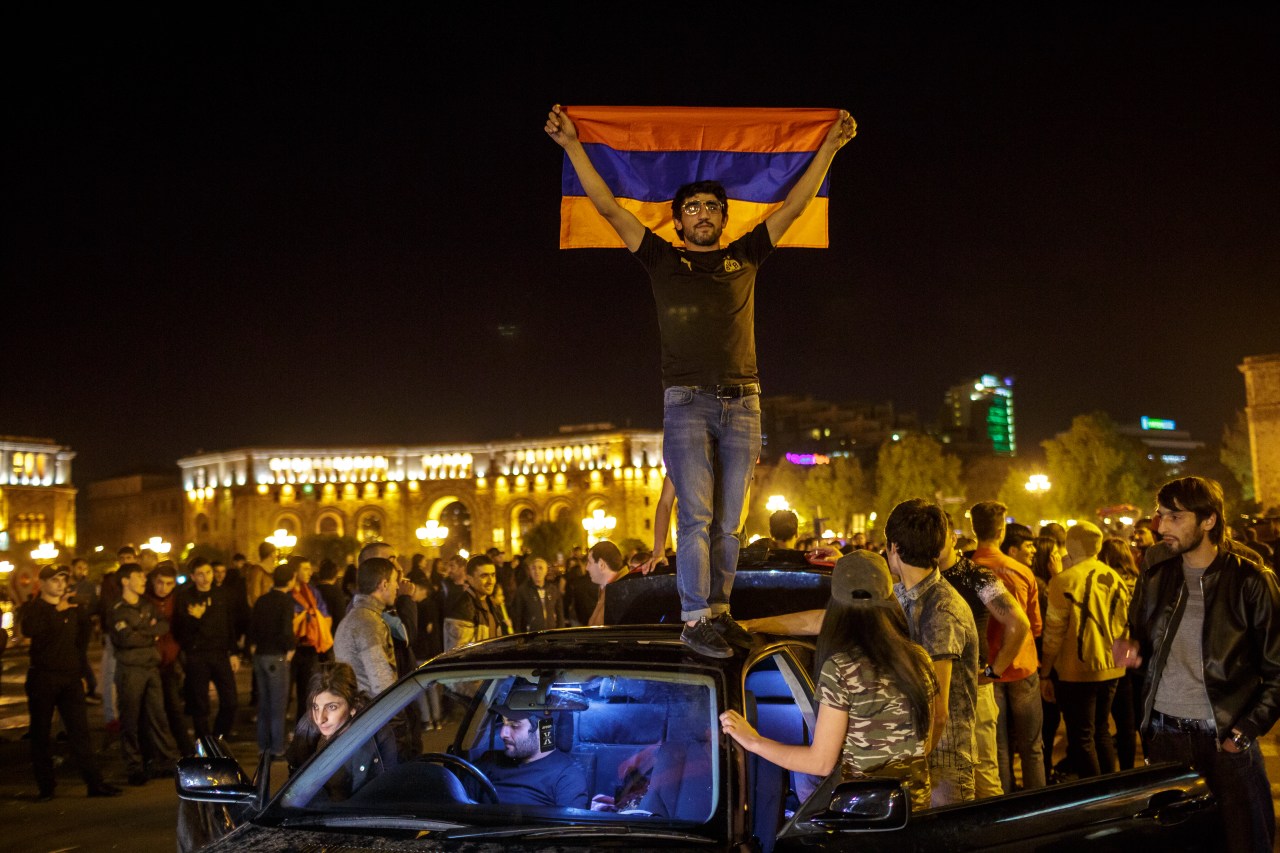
374 822
597 829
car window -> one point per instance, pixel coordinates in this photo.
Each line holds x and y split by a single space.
603 744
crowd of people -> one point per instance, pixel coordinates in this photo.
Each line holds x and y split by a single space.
949 667
173 639
1164 638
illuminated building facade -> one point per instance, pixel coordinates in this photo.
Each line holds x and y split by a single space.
484 494
1163 442
978 417
1262 398
37 499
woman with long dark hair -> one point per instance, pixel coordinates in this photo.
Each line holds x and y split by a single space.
1126 705
333 699
1046 563
876 688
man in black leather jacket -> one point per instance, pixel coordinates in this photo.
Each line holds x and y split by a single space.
1204 620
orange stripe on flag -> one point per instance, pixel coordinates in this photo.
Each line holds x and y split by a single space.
582 228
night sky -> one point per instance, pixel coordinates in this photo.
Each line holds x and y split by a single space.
305 227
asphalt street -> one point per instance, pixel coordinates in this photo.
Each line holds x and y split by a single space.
143 818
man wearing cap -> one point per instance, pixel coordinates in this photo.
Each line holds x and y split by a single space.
530 770
50 622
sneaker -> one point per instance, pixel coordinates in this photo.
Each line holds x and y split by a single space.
44 796
732 631
705 640
104 789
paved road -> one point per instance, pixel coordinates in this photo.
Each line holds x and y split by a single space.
143 819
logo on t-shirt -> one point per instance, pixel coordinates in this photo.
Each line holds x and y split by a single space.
730 265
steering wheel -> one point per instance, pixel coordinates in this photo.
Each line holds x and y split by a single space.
460 767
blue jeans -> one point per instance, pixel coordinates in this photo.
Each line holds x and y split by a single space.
1018 731
272 672
1238 781
711 446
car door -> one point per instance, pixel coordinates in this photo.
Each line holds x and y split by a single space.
778 702
1164 807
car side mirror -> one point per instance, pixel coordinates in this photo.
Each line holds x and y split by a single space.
874 803
214 780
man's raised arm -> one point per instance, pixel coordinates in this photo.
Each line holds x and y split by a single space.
565 134
844 129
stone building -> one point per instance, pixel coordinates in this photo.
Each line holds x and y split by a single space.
485 494
37 509
1262 396
37 499
134 510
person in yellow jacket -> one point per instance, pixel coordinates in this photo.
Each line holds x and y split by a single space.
1088 609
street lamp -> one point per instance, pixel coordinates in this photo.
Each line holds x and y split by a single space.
776 502
157 546
432 533
5 567
598 526
46 553
1037 485
283 540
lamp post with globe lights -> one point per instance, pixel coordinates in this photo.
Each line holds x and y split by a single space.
598 526
284 542
432 535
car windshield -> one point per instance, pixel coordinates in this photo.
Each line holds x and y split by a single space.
522 746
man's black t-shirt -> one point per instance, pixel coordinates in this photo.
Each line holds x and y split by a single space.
977 585
553 780
706 308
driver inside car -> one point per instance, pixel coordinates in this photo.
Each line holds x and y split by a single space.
529 770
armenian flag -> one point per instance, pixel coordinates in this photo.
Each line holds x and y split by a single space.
645 153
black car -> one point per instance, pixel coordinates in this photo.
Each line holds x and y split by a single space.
638 713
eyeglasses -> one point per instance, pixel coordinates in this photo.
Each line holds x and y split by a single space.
693 208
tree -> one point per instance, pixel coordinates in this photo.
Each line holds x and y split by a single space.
329 546
783 479
1237 453
984 477
1025 506
837 491
552 539
914 467
1091 465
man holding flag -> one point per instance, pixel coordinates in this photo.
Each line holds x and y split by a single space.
705 298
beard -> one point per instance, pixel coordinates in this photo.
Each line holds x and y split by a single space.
703 237
522 748
1181 547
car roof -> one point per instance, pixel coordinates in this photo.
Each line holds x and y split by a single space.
651 644
760 588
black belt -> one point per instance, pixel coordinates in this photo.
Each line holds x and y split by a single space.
1182 724
728 391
